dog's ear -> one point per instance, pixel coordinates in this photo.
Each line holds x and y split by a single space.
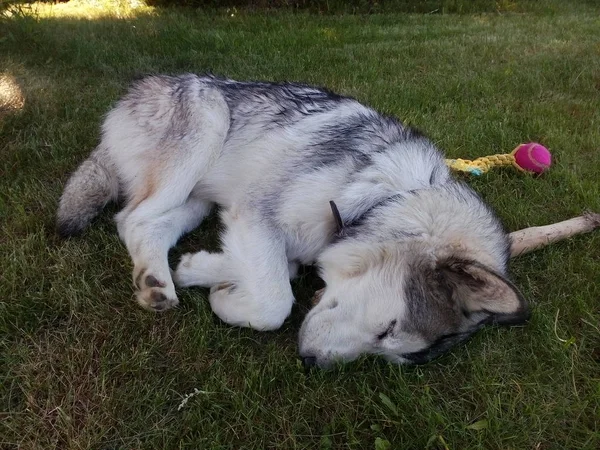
479 289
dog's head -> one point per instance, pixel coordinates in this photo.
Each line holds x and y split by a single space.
417 275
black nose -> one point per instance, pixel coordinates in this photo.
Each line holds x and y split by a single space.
309 361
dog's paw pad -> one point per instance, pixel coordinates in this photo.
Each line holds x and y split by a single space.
154 299
143 280
152 281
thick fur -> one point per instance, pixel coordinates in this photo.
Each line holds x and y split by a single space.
88 191
418 266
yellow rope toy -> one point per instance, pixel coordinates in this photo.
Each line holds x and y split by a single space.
531 157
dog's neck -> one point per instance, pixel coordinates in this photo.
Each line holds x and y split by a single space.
342 224
392 174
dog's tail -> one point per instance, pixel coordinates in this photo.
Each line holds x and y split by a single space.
87 192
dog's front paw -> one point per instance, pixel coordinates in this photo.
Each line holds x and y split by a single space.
185 273
197 269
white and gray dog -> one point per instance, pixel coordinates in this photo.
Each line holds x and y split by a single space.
414 262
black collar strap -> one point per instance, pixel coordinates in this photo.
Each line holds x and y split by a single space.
340 226
339 223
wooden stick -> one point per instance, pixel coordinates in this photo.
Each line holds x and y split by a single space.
529 239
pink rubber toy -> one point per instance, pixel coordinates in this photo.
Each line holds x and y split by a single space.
533 157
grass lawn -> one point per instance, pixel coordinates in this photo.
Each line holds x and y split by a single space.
82 366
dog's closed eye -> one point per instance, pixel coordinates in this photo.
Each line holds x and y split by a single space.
387 331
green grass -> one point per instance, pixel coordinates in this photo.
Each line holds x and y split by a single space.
81 366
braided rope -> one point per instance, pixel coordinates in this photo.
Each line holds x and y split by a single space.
484 163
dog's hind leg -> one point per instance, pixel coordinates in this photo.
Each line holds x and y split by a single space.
250 279
151 227
149 243
167 164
